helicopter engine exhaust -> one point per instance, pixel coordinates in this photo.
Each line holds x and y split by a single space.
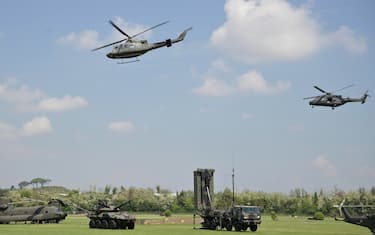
168 42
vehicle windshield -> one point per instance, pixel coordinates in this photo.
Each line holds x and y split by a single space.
248 210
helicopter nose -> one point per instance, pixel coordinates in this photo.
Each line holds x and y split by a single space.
110 55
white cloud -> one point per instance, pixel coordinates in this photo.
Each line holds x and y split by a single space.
220 65
121 126
87 39
250 82
38 125
61 104
324 164
27 99
348 39
267 30
253 81
23 96
213 87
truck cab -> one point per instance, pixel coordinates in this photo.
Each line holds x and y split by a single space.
244 217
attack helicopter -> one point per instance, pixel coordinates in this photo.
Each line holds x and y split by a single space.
50 213
332 100
133 48
363 219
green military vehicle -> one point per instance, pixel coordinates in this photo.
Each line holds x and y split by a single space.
108 217
243 217
237 216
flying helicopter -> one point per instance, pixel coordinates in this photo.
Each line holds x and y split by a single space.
133 48
365 219
50 213
332 100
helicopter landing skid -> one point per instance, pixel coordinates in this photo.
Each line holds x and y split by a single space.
127 62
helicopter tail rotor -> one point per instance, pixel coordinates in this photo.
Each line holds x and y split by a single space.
364 97
182 35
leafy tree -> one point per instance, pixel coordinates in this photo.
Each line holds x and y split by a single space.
40 181
107 189
114 190
23 184
274 216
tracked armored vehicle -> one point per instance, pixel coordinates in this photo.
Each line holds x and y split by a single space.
108 217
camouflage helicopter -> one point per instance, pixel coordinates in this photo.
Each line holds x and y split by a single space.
364 219
331 100
50 213
134 48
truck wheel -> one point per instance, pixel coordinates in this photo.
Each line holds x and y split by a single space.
229 227
131 225
105 224
98 224
237 227
122 225
92 224
253 228
112 224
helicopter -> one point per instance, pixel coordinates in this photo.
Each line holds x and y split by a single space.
331 100
365 219
50 213
133 48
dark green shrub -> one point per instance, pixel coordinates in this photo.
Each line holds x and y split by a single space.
168 213
319 215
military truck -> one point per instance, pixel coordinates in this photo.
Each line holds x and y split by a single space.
104 216
237 216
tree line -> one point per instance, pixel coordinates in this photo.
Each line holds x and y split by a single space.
36 182
297 202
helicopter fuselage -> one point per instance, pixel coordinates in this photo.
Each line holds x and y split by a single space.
132 49
129 50
37 214
332 101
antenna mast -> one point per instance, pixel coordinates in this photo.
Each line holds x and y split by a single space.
233 187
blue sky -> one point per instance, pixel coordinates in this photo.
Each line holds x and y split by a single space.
229 95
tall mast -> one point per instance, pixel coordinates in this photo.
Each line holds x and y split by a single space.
233 187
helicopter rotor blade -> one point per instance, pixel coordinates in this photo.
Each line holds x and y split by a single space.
311 97
118 28
113 43
321 90
135 35
344 88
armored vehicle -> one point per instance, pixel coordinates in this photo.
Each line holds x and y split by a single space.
237 216
108 217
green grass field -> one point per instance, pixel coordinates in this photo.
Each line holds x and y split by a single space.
286 225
